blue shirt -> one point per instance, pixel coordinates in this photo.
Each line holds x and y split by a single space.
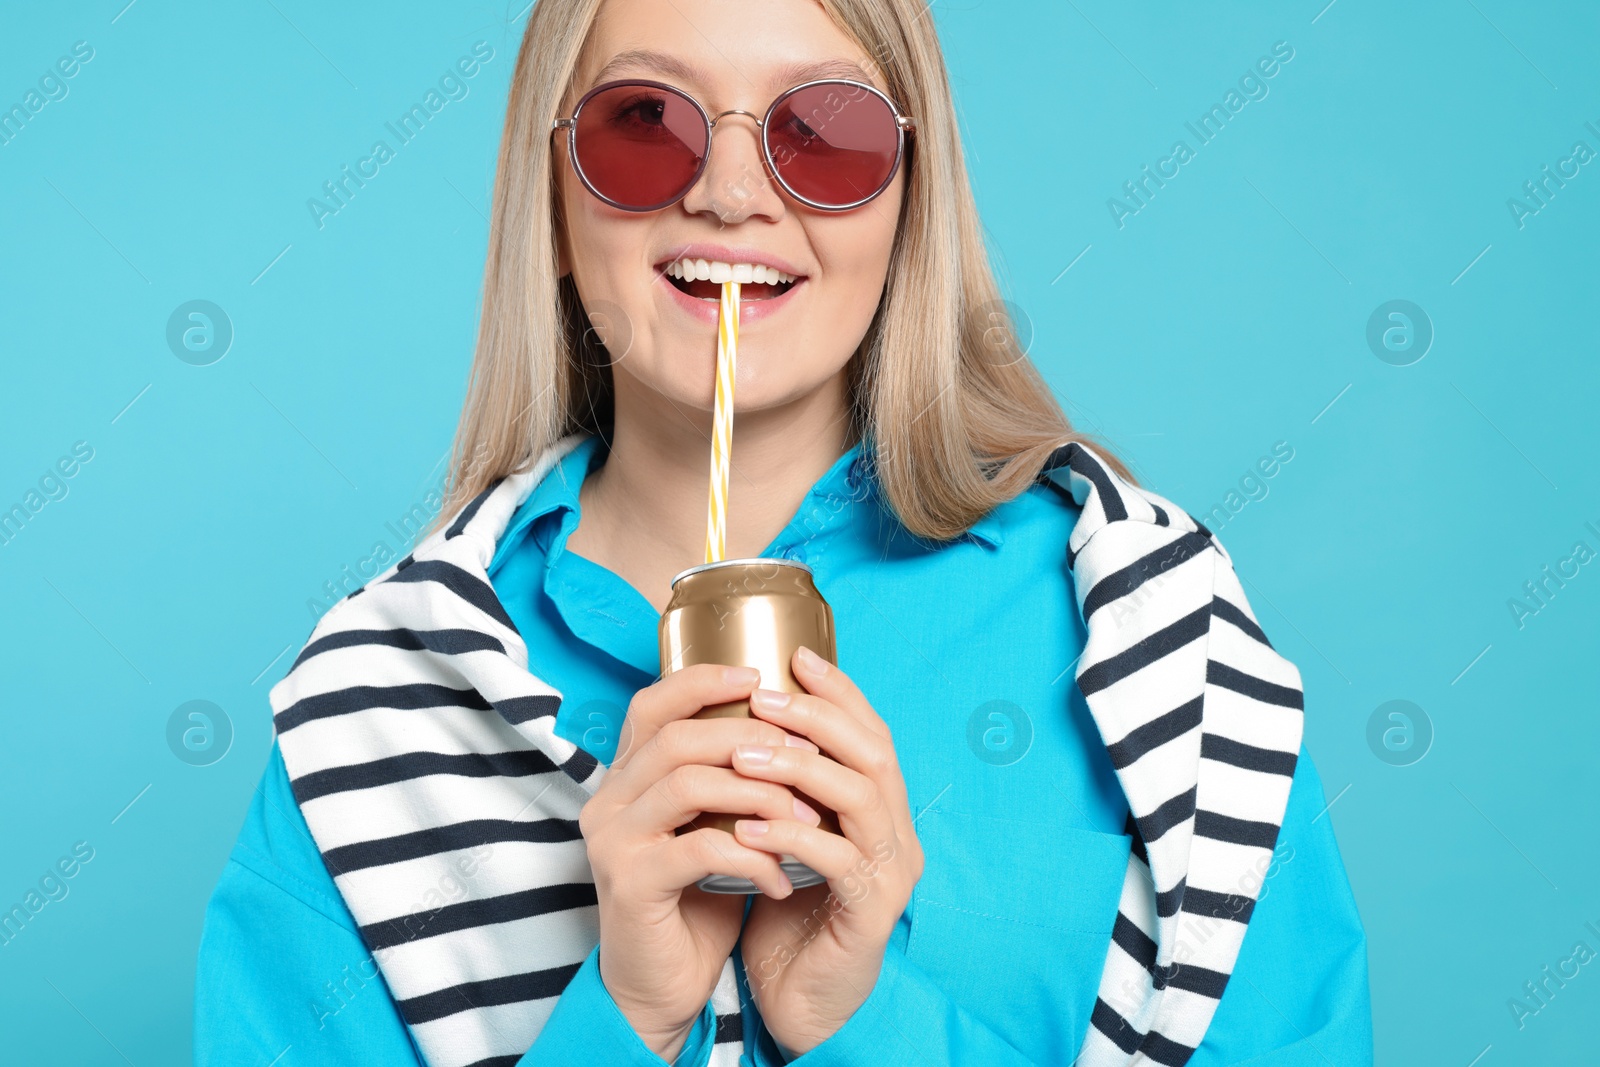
966 650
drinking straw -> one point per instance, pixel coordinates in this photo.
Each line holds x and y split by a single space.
722 423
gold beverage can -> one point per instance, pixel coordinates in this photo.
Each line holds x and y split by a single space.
748 613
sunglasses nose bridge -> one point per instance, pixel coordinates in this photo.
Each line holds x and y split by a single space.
761 129
735 111
730 195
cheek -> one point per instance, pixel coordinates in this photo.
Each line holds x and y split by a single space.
596 235
856 263
860 242
603 251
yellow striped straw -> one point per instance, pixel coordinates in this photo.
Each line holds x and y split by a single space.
722 424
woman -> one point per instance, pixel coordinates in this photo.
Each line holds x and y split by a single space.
464 847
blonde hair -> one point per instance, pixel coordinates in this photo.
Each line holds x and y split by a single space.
959 419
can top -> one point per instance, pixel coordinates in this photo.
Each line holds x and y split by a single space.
730 562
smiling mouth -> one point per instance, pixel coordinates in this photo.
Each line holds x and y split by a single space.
706 289
747 290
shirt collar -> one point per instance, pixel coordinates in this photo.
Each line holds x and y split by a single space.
845 479
825 505
988 530
557 490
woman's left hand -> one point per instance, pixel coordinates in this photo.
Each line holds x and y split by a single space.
812 958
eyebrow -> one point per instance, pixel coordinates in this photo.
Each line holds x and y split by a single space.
786 75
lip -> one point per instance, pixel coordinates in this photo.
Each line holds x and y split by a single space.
750 311
730 254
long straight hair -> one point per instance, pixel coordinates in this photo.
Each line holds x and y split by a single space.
959 418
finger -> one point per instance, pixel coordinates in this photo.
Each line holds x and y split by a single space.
688 858
679 695
830 855
830 683
686 741
864 814
693 789
841 736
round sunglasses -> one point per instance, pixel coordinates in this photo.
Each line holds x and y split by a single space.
639 145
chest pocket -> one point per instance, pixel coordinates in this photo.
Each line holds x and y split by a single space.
1012 918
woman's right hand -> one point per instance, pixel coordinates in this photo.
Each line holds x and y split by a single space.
664 941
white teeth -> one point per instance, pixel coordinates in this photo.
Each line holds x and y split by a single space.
715 270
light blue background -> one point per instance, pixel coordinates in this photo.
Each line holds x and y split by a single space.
1227 315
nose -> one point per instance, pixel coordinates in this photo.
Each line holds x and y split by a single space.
735 185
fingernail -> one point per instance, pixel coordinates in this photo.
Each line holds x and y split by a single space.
769 699
741 675
805 812
755 755
753 827
813 662
799 742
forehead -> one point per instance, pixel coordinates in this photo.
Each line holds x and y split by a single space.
718 48
773 76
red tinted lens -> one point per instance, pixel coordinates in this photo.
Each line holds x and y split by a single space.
834 143
640 145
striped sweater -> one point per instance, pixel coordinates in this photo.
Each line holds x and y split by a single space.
422 752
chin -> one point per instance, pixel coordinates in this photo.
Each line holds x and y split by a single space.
749 396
